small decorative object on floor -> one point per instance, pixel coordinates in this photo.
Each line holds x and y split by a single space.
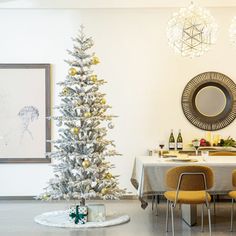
79 214
96 212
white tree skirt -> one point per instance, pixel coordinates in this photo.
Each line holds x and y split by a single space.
62 219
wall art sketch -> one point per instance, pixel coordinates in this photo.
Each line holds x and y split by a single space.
24 108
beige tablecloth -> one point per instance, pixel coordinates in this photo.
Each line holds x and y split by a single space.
148 175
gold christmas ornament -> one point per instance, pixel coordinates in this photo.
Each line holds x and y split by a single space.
108 176
95 60
45 197
86 163
93 78
104 191
103 101
65 91
87 114
75 130
72 71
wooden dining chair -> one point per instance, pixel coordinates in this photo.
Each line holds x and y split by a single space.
232 194
222 153
190 185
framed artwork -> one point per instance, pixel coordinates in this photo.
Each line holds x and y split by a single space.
24 108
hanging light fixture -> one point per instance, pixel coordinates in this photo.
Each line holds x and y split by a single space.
191 31
232 31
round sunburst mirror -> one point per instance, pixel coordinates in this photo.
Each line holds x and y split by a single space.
209 101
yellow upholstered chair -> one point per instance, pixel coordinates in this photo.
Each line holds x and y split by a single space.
222 153
190 185
232 194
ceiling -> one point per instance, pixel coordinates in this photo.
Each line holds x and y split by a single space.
111 3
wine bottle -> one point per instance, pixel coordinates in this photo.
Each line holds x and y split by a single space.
171 141
179 142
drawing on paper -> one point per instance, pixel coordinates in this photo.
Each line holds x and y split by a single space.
27 115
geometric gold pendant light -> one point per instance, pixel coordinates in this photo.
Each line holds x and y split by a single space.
192 31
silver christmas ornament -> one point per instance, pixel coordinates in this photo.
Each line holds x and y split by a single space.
111 125
59 123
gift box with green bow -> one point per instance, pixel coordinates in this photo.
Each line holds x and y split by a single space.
79 214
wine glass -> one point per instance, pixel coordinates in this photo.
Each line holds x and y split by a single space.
196 144
161 145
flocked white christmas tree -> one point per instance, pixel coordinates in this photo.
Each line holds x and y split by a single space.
81 170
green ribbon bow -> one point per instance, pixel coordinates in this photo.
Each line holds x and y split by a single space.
78 216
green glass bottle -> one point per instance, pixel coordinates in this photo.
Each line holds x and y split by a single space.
179 142
172 141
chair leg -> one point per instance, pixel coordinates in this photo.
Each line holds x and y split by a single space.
156 202
232 215
202 216
214 204
172 219
153 198
167 214
209 218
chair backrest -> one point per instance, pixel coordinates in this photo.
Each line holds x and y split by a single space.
234 178
222 154
189 180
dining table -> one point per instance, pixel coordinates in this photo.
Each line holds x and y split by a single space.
148 177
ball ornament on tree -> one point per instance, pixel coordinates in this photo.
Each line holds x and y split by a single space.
87 114
65 91
108 176
95 60
86 163
75 130
72 71
93 78
104 191
103 101
111 125
59 123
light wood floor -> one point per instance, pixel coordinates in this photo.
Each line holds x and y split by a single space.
16 218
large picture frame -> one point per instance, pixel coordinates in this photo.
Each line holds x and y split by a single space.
25 105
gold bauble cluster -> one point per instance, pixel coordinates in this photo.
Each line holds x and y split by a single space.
75 130
72 71
95 60
86 163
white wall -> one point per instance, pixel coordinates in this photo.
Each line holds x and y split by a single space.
145 78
